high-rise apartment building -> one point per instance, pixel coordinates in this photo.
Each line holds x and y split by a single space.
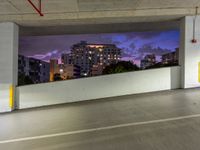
88 55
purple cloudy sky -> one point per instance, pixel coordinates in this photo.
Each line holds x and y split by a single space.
135 45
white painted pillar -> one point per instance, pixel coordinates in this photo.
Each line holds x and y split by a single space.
189 53
8 65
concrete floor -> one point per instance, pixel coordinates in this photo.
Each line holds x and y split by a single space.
167 120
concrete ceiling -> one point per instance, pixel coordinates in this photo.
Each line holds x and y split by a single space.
73 12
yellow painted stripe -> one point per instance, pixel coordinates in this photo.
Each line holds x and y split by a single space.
199 71
11 96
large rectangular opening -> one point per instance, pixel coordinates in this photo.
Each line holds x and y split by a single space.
62 57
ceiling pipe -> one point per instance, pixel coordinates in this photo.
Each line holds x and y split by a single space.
39 9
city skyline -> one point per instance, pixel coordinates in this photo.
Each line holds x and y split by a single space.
134 45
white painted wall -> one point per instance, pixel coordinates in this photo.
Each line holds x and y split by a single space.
189 53
8 53
8 62
98 87
4 98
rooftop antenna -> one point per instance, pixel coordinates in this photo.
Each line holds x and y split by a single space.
37 9
194 40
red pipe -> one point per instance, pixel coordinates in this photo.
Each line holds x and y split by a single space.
40 7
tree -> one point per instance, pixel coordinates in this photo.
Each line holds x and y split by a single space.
159 65
122 66
57 77
24 80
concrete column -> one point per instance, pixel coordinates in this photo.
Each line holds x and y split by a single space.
189 53
8 65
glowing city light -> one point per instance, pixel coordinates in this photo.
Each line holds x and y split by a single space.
61 70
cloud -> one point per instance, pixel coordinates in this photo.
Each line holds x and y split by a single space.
148 35
132 46
142 35
138 54
47 56
148 48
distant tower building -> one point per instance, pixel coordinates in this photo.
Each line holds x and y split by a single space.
53 68
23 65
149 60
44 71
66 59
171 58
36 69
69 71
88 55
66 71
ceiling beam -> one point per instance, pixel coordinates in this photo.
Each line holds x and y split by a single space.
99 28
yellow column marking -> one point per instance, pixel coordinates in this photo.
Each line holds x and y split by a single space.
11 96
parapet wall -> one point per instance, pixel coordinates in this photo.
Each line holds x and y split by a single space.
98 87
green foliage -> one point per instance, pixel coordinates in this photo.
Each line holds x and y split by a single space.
24 80
159 65
122 66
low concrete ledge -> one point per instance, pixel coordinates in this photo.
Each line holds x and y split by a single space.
98 87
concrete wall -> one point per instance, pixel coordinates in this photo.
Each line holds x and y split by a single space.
98 87
8 53
8 62
190 53
4 98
